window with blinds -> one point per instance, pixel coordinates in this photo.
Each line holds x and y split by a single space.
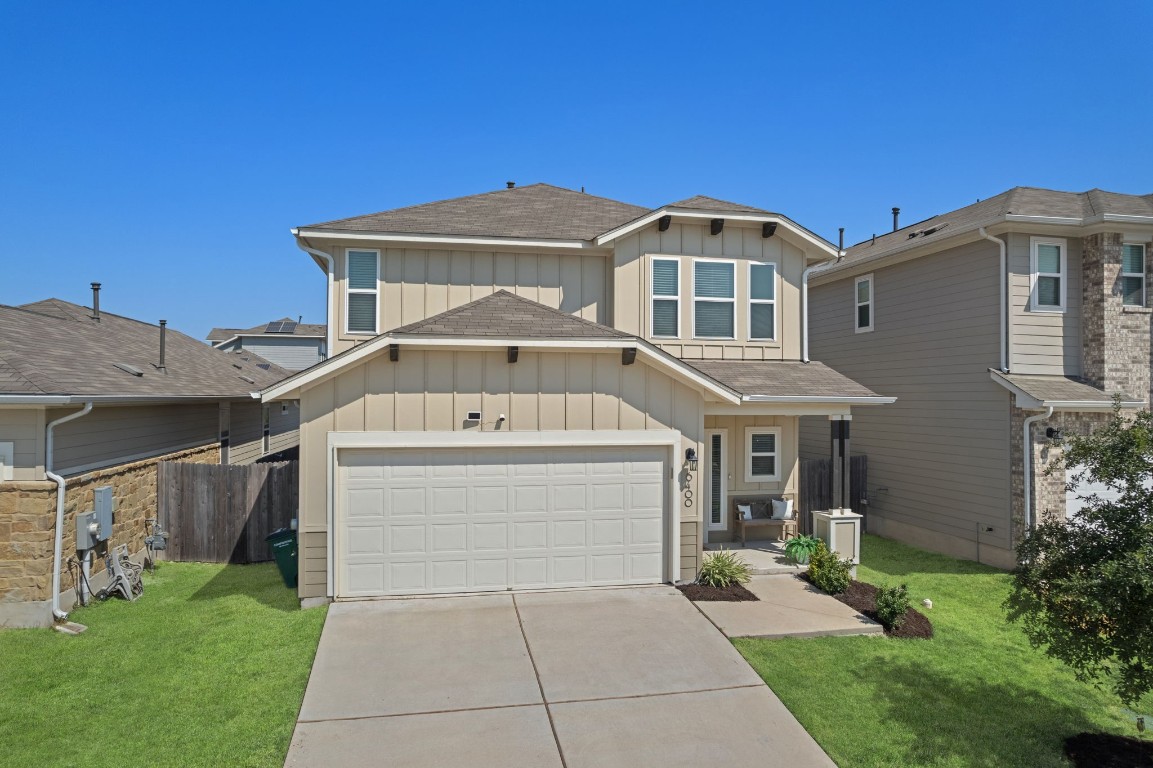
361 292
762 454
1048 268
863 308
714 299
666 298
762 302
1133 274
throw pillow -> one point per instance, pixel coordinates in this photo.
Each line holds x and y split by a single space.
782 509
746 511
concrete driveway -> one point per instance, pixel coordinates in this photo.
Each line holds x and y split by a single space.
608 677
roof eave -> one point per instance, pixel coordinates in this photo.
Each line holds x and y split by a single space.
436 240
690 213
1028 402
850 399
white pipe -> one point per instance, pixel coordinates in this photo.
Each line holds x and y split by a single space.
329 321
805 303
86 565
1027 460
1004 298
61 487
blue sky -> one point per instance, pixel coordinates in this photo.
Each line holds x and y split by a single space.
166 149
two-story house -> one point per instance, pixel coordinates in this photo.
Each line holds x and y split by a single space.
537 387
288 343
998 326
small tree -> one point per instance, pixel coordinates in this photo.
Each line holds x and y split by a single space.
1084 587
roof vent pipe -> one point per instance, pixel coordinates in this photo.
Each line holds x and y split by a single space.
162 331
96 302
510 184
840 243
896 216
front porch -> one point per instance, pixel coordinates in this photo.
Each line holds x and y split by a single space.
767 558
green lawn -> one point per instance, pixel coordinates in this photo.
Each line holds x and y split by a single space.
975 695
207 668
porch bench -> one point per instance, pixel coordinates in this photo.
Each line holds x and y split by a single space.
762 512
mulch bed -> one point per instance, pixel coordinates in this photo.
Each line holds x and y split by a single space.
731 594
1104 750
862 597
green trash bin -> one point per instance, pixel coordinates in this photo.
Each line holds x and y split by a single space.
283 543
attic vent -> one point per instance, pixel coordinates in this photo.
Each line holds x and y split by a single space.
129 369
928 230
281 326
250 381
238 366
264 366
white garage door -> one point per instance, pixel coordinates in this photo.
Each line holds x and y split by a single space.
441 520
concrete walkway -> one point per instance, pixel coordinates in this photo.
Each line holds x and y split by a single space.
608 677
765 558
789 607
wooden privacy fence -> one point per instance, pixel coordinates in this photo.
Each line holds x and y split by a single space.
220 513
816 489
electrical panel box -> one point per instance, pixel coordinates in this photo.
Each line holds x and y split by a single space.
105 509
86 531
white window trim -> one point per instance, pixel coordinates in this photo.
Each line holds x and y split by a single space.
348 289
653 297
732 301
1061 243
1124 274
857 304
724 523
752 301
749 476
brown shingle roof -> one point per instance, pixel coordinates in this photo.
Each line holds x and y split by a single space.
538 210
54 347
1059 389
700 202
506 315
781 378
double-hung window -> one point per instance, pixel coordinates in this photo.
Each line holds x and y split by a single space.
762 302
1133 274
666 287
1047 265
714 299
361 299
762 454
863 304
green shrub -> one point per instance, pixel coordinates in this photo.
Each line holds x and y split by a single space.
724 568
800 548
829 572
892 605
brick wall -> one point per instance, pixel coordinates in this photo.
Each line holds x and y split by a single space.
28 518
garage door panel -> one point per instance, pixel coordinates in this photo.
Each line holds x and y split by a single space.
492 520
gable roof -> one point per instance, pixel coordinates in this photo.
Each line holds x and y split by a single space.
1016 204
703 203
56 348
300 329
505 315
534 211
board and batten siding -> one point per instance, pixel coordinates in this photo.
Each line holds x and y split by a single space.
939 456
735 454
631 287
1044 342
291 353
112 435
433 390
24 428
415 284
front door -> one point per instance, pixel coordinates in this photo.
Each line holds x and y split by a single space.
715 480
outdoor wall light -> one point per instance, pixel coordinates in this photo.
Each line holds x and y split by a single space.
1053 433
691 458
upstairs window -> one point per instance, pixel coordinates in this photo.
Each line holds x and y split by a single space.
714 299
361 301
666 309
1133 274
762 302
863 296
1048 275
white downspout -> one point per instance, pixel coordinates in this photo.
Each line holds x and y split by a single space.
329 319
1004 298
1027 460
61 486
805 303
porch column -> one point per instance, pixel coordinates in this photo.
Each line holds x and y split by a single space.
839 451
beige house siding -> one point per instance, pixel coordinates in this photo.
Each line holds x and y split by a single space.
1044 342
111 435
939 456
24 428
631 294
416 283
432 390
735 453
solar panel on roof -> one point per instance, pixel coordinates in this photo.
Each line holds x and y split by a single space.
289 327
274 326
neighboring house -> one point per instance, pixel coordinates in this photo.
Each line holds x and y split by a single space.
527 380
155 395
978 320
292 345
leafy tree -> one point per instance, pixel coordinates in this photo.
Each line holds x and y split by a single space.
1084 587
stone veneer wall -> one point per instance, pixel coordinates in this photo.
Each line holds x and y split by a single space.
28 518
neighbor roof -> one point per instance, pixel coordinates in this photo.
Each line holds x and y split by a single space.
301 329
1079 207
53 347
702 203
1058 391
505 315
781 378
